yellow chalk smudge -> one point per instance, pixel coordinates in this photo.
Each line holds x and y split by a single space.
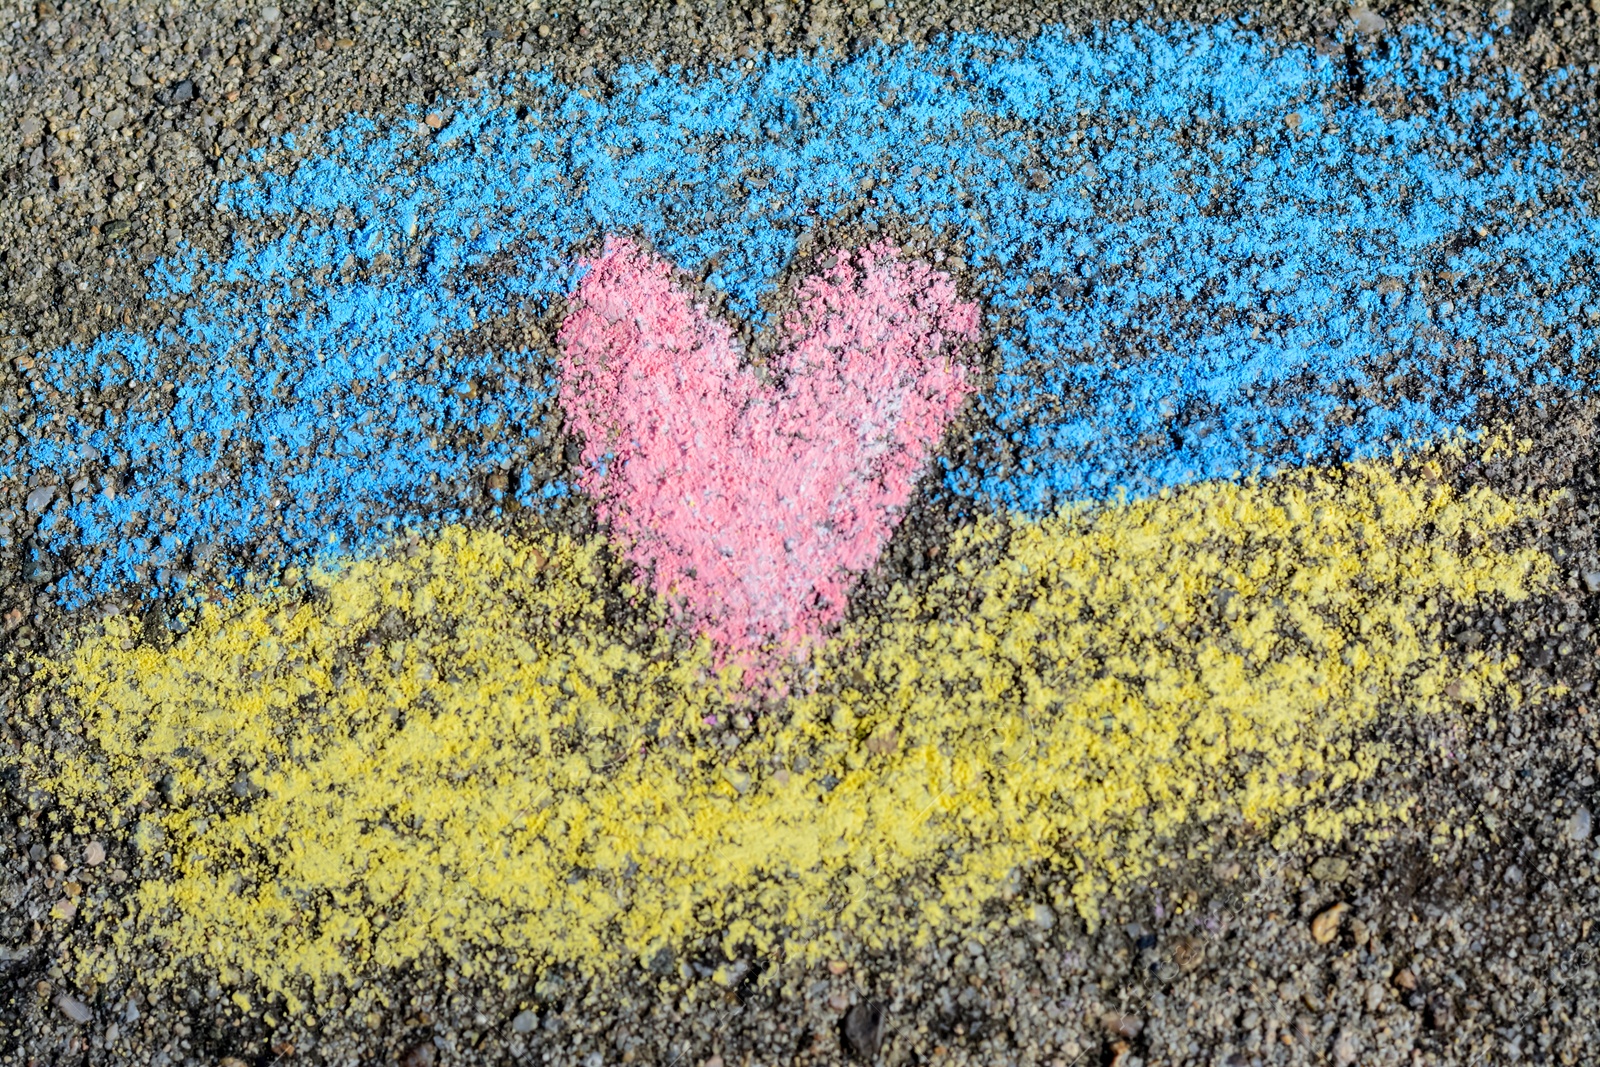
453 749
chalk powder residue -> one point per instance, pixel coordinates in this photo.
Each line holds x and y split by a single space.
1283 295
754 504
452 750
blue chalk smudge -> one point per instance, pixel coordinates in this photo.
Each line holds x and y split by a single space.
1199 257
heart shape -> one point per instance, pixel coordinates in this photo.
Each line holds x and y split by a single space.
754 505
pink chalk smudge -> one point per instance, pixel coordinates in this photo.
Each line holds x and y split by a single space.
755 504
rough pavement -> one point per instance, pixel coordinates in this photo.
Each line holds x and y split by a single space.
123 127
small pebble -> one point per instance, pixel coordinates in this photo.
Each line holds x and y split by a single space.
40 498
94 854
1330 869
1325 927
1580 825
1368 21
525 1022
73 1008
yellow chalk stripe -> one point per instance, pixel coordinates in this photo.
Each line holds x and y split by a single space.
453 747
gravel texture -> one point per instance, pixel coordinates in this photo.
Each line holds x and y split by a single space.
116 123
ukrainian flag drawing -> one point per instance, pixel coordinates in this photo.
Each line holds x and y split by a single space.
520 494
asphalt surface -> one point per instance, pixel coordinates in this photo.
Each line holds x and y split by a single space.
1447 951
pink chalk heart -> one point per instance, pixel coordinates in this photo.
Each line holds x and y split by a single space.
754 503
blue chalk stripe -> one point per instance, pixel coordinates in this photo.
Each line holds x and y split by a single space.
1199 256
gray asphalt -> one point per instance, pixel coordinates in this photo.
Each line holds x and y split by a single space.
1486 953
